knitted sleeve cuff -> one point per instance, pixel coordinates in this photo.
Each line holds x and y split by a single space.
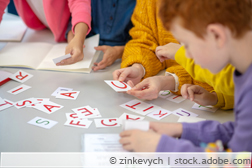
183 76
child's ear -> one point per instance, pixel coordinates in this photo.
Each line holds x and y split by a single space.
217 32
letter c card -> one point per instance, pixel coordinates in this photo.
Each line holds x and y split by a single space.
107 122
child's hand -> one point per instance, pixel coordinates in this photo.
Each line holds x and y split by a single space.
170 129
110 54
150 87
199 95
75 48
140 141
167 51
134 74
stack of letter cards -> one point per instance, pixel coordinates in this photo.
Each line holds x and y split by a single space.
19 55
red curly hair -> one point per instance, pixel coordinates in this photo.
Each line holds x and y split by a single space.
196 15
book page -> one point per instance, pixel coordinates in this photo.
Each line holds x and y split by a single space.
59 50
102 143
12 30
24 54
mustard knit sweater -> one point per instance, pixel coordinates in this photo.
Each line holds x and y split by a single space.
148 33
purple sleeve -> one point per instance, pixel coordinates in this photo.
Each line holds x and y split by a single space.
194 133
169 144
207 131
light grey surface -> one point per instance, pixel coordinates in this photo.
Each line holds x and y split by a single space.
18 136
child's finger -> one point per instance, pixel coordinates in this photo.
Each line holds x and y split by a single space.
130 83
190 91
125 133
184 92
101 48
116 74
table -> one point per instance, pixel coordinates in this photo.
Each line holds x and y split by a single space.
18 136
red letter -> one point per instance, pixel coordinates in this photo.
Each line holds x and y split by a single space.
148 108
17 90
125 86
133 105
102 121
5 103
78 123
175 97
161 115
86 111
24 103
128 118
68 94
20 75
49 107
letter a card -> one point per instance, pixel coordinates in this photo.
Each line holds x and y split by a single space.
72 95
48 107
21 76
42 122
118 86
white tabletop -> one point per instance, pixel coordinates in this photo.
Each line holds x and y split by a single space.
18 136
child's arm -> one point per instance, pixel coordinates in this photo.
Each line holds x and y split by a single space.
167 51
141 48
110 55
3 5
81 21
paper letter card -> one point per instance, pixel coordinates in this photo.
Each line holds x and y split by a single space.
48 107
42 122
204 108
21 76
140 125
135 105
127 116
2 101
25 103
165 93
86 112
78 123
60 89
118 86
190 119
182 112
107 122
6 105
58 59
176 98
19 89
159 114
72 95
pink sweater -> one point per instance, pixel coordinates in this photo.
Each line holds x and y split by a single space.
57 14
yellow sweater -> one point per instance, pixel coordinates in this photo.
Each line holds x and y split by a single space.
222 82
148 33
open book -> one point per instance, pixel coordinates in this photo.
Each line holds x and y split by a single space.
40 56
